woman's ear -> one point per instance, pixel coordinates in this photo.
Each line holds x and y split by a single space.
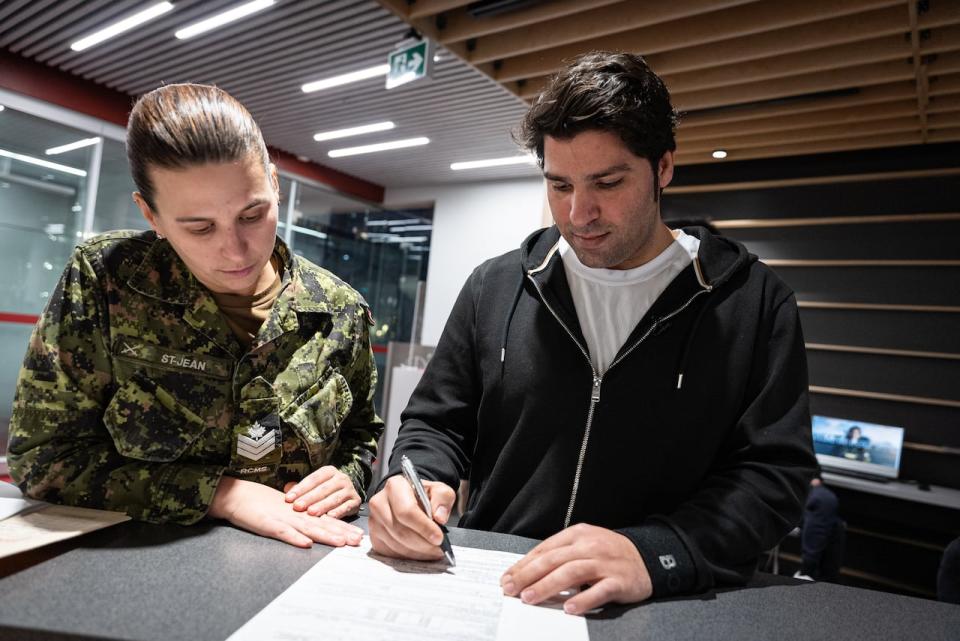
147 212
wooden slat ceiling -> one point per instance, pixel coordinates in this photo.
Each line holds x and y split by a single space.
758 78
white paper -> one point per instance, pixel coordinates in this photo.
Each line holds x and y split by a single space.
12 501
355 595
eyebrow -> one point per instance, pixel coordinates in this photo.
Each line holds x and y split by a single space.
256 202
600 174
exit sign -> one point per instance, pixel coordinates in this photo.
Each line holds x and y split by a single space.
408 63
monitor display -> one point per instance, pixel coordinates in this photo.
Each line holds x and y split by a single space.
845 445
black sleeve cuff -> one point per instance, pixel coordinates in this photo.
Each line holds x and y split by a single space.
669 563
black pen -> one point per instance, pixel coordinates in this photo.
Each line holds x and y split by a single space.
410 473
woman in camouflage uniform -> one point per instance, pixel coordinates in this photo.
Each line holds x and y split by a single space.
200 369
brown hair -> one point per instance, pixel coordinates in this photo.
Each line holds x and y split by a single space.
183 125
615 92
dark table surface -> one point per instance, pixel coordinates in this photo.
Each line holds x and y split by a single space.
141 582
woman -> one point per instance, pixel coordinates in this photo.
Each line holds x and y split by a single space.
200 369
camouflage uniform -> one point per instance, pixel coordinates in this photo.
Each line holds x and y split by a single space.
135 395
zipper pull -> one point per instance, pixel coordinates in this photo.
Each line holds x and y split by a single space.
595 394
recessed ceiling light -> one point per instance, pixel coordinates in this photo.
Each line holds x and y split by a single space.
42 163
123 25
353 131
347 78
86 142
719 154
2 107
380 146
493 162
221 19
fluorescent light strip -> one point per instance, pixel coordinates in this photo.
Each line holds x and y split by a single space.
231 15
407 239
353 131
86 142
43 163
493 162
347 78
380 146
411 228
124 25
400 221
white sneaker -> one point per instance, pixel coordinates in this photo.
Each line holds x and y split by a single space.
802 577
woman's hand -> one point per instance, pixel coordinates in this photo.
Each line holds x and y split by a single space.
326 491
262 510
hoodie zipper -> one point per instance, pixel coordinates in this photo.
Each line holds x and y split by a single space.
598 381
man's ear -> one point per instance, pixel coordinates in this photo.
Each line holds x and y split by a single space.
665 169
147 212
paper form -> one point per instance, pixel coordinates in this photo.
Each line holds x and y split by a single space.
50 524
355 595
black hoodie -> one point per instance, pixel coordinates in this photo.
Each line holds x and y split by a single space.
695 443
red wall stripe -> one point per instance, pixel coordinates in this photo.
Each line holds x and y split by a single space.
25 319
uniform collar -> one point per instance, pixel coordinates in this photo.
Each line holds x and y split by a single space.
164 276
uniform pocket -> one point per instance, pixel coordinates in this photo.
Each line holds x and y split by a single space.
316 416
148 424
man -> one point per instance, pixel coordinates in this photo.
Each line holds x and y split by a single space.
635 396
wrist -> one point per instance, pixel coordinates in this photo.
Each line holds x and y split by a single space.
224 499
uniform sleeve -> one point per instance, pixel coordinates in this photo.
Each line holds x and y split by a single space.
59 449
754 494
361 429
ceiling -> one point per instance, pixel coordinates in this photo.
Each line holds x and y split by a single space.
758 79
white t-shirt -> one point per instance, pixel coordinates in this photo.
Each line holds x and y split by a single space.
611 302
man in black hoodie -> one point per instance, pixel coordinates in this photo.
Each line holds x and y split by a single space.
633 395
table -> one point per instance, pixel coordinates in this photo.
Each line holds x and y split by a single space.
934 495
141 582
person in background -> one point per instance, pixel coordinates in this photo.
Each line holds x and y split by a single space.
633 395
822 535
948 575
200 368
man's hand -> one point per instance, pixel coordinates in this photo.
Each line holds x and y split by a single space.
325 491
262 510
398 525
581 555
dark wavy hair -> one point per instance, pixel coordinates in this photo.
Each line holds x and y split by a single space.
605 91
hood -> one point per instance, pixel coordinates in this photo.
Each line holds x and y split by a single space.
718 257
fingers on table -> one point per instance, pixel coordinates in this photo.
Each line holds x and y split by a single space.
312 480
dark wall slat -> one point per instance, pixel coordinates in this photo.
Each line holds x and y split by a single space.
890 374
894 330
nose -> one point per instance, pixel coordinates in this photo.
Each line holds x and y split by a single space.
234 246
584 209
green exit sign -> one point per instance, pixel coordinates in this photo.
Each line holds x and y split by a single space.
408 63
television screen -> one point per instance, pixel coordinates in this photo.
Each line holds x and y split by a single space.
845 445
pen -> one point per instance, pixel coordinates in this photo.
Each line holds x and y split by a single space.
410 473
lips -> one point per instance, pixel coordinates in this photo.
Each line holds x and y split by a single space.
239 273
591 240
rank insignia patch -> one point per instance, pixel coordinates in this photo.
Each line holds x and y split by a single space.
257 442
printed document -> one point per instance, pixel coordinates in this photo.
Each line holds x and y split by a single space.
354 594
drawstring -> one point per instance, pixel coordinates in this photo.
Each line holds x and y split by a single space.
506 325
689 344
